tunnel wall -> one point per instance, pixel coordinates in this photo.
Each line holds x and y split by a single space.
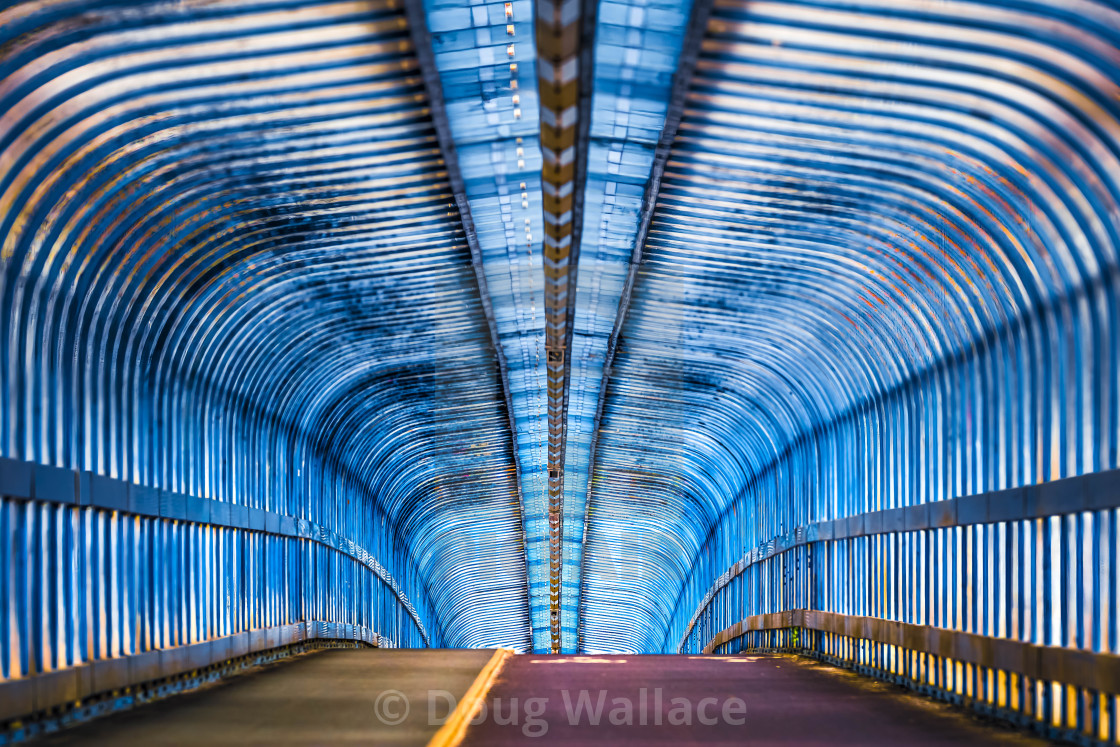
99 569
881 273
880 280
214 404
1003 417
972 571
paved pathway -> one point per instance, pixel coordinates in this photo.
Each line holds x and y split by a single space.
325 698
720 701
340 697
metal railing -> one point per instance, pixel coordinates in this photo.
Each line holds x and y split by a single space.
108 584
1006 600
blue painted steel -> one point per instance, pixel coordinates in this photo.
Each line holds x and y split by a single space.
486 59
232 268
881 272
1030 578
637 49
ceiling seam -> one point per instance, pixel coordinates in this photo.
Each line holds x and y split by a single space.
682 81
422 43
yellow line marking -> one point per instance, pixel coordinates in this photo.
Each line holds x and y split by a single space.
455 727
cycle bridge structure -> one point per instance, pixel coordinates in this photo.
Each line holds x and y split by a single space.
755 349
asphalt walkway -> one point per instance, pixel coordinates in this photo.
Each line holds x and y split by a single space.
333 697
400 698
692 700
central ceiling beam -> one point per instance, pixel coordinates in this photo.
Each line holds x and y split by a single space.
565 31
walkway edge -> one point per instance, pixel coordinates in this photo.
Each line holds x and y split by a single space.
455 728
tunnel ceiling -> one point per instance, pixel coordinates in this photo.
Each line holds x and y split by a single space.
234 268
546 297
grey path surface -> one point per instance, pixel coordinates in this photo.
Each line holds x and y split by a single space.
787 701
323 698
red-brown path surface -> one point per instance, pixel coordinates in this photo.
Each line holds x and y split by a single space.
788 701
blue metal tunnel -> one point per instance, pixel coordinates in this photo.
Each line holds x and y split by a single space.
567 326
